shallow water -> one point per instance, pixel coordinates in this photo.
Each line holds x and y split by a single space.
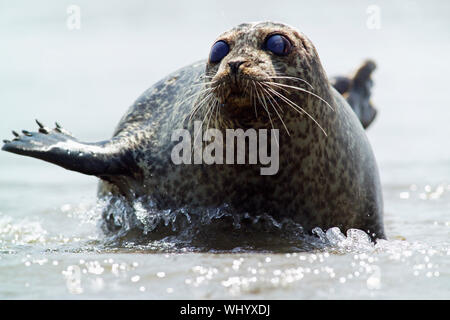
50 244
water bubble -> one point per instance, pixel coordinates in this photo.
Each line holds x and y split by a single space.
374 280
94 267
97 284
404 195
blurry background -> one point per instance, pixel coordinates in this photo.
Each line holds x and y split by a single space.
86 79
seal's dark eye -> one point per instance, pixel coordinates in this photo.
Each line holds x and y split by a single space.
278 44
218 51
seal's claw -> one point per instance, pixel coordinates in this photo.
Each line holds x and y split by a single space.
39 124
42 128
59 147
36 144
60 129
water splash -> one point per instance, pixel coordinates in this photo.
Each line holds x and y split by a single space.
20 233
142 224
355 240
68 228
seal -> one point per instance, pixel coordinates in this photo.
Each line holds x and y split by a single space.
259 76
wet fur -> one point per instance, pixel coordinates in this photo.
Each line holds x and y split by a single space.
324 180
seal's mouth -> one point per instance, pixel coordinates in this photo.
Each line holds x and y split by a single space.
238 92
238 98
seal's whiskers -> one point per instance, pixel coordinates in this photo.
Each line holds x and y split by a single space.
295 106
211 111
270 98
292 78
194 95
264 104
252 99
204 118
209 95
300 89
268 93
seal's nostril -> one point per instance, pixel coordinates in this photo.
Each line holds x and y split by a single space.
234 65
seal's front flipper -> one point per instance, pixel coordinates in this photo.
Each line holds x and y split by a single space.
357 91
58 146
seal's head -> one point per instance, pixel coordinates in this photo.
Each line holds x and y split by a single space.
260 65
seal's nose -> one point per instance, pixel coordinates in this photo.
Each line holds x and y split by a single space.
234 66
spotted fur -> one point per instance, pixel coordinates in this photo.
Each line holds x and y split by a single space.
327 176
324 180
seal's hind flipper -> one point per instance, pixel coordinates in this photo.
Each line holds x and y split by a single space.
357 91
341 84
59 147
